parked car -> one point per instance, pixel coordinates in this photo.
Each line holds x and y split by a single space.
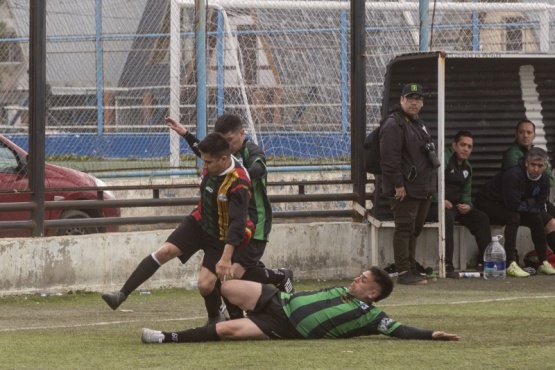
14 180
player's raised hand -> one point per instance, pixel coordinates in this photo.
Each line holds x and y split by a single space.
176 126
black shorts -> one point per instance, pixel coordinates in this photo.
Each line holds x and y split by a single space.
190 238
269 316
250 254
546 216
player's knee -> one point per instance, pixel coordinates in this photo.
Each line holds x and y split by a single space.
225 330
206 284
550 226
166 252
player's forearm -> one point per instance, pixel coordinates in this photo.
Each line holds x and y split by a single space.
409 332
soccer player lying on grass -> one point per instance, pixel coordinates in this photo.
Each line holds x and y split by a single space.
336 312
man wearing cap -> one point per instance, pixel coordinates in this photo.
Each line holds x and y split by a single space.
409 177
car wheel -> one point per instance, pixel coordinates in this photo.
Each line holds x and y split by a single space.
75 230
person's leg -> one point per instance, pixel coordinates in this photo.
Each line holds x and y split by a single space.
421 213
149 266
181 243
404 214
537 232
549 226
144 270
500 215
450 215
211 294
242 293
478 224
247 267
241 329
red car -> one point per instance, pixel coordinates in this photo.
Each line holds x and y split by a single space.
14 177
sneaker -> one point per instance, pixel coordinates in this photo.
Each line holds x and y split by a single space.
152 336
516 271
114 299
546 268
287 284
409 278
215 320
452 274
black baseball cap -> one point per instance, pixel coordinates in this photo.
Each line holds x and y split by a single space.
412 89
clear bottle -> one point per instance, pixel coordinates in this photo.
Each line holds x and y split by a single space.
495 260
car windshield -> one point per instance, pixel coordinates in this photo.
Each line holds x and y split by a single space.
8 161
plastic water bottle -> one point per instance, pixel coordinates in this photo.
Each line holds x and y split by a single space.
495 260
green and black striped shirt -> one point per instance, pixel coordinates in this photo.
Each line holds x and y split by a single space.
334 313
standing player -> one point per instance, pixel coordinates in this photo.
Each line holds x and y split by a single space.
219 226
246 264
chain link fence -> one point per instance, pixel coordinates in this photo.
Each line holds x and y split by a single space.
284 66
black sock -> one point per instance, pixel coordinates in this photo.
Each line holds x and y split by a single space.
146 268
201 334
213 301
551 240
263 275
233 311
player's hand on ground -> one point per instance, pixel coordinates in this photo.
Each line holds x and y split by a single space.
441 335
176 126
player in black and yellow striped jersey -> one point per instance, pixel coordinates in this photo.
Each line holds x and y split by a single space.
246 263
219 226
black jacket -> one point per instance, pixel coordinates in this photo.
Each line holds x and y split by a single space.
516 191
403 159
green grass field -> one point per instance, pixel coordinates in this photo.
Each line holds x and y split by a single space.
503 325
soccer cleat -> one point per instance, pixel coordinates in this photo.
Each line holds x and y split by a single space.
224 311
214 320
546 268
114 300
287 284
409 278
516 271
151 336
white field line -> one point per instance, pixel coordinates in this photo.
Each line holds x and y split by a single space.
467 302
103 323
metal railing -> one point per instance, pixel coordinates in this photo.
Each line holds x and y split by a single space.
300 197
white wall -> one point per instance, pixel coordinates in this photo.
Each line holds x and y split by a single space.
103 262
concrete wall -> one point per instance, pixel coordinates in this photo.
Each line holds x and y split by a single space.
104 261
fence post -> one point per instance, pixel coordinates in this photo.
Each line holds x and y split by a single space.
37 91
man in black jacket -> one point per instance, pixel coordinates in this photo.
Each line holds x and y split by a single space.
409 177
517 197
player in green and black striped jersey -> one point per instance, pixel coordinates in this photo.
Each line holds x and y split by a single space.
337 312
247 264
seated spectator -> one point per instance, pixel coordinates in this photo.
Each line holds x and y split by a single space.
517 197
458 203
524 137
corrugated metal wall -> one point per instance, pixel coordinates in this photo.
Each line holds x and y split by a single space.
487 96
